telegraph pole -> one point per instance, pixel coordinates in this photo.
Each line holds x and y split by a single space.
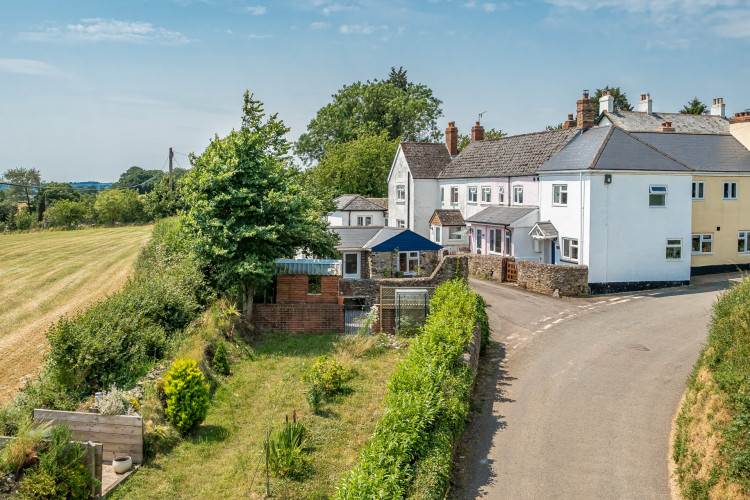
171 155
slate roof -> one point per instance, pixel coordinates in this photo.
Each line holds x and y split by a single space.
425 159
609 148
447 218
501 215
508 156
634 121
381 239
703 152
549 231
383 202
349 202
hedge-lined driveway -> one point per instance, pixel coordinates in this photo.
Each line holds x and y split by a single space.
579 401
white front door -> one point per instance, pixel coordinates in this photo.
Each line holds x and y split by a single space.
351 265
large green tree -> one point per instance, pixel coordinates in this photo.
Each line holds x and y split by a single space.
138 179
66 213
247 206
694 107
23 184
160 201
115 206
465 139
359 166
404 110
621 98
53 192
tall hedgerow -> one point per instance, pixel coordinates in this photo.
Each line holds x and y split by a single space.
426 406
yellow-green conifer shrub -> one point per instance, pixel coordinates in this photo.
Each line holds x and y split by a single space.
187 395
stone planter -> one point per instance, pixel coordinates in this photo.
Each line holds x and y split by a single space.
122 464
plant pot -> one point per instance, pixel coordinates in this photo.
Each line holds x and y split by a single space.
340 300
122 464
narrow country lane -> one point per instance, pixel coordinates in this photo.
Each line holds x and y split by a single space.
578 403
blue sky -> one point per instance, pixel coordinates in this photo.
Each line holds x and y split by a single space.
90 88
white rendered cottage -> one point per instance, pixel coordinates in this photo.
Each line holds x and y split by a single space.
356 210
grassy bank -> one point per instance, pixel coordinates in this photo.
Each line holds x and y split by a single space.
712 437
45 275
223 459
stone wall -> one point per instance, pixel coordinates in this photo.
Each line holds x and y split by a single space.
292 288
299 318
488 266
450 267
547 278
380 262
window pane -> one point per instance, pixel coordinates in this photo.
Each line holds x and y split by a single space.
350 263
741 245
657 200
574 253
402 262
564 198
706 246
696 243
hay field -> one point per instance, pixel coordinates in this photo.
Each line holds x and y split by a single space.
48 274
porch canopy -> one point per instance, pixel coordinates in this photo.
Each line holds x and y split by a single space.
447 218
544 231
505 216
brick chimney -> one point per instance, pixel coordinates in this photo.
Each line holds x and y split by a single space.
451 138
739 127
606 103
718 108
477 132
570 122
586 111
645 104
666 127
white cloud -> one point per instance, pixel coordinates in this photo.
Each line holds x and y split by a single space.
731 24
329 7
489 7
27 67
253 36
361 29
257 10
97 29
319 25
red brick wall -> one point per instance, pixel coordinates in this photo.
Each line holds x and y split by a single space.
299 318
292 289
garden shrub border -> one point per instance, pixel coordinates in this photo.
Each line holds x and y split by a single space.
410 454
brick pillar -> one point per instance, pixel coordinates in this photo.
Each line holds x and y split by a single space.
477 132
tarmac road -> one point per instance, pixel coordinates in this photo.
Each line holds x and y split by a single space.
578 402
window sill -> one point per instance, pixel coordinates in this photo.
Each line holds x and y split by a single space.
699 199
400 202
730 199
701 253
559 205
569 261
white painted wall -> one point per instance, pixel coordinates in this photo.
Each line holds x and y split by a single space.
570 221
424 200
530 193
399 174
421 197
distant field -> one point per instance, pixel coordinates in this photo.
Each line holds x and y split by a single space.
48 274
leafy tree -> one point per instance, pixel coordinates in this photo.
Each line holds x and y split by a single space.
52 192
118 206
246 205
464 139
694 107
8 210
404 110
23 178
360 167
160 201
66 213
554 127
621 98
139 179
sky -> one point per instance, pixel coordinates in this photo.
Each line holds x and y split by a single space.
91 88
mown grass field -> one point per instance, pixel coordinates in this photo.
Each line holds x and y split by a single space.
223 459
48 274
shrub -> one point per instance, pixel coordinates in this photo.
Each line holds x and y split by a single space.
407 326
284 451
39 484
117 402
426 406
220 362
187 395
22 452
327 374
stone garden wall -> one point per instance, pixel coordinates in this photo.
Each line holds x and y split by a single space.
381 263
490 267
547 278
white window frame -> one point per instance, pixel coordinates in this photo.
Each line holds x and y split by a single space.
410 257
479 236
518 195
471 194
501 195
442 195
400 193
702 239
560 195
359 266
743 236
657 190
508 243
437 230
364 220
486 194
495 241
729 190
674 244
454 195
454 233
400 223
699 190
567 253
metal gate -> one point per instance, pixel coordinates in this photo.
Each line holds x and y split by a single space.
355 318
412 306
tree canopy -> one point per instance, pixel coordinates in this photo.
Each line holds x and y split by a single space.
621 98
53 192
22 178
139 179
247 207
114 206
404 110
465 139
694 107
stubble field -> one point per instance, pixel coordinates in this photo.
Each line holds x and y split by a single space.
46 275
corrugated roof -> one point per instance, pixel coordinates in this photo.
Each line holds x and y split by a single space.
310 267
609 148
447 218
349 202
425 159
508 156
703 152
500 215
634 121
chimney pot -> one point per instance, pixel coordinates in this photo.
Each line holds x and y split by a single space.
718 108
570 123
645 104
451 138
477 132
586 111
585 94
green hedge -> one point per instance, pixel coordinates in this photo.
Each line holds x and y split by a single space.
426 406
115 340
